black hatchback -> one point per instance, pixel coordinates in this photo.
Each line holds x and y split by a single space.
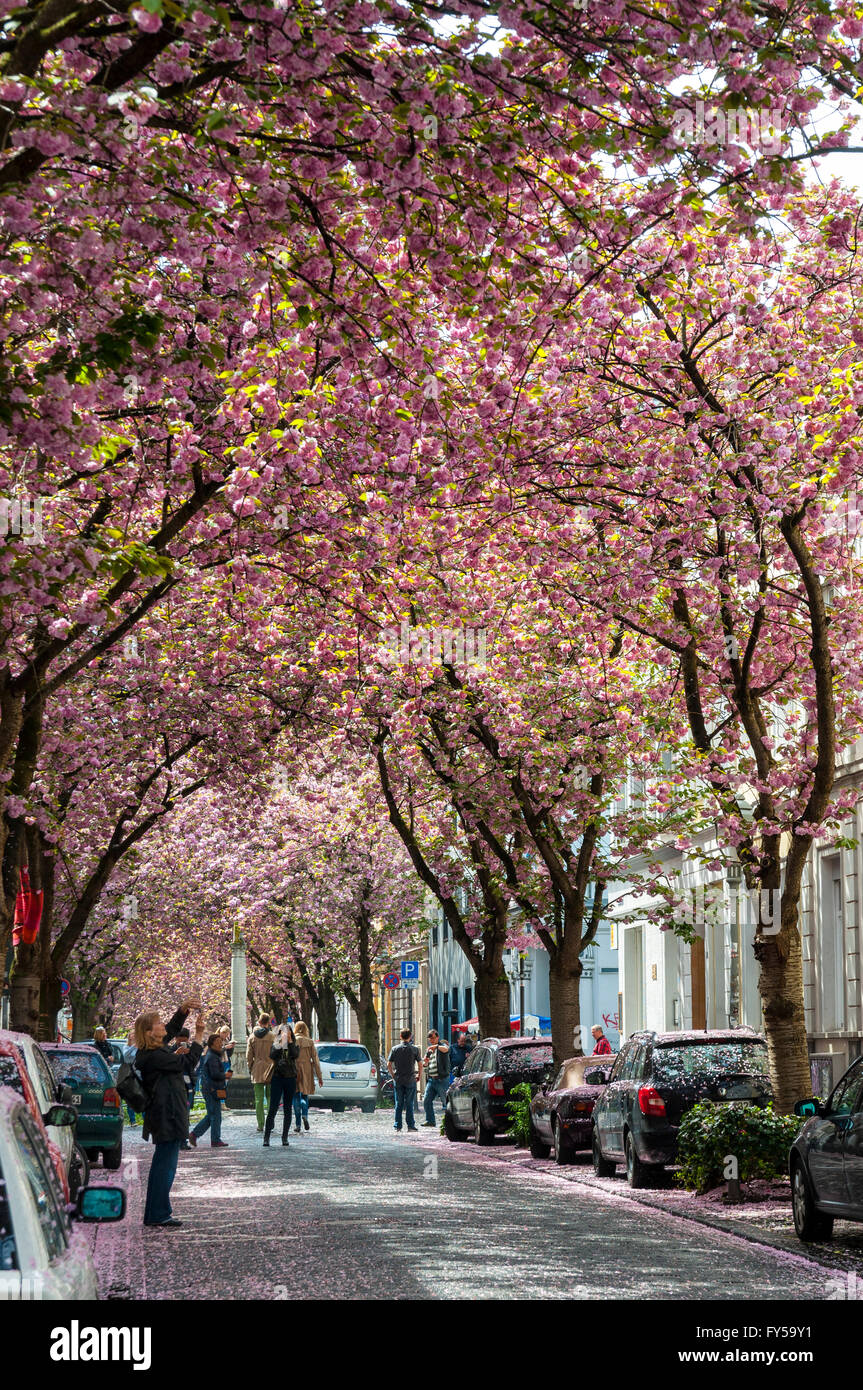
827 1159
658 1077
476 1101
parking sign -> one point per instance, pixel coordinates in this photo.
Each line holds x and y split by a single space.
410 970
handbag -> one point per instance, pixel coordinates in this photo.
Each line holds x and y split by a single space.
221 1095
131 1087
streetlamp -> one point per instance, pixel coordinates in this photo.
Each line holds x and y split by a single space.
519 971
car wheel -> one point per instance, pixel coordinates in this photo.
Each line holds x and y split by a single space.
602 1167
112 1158
338 1107
638 1174
451 1130
809 1223
79 1172
538 1149
368 1107
563 1152
482 1135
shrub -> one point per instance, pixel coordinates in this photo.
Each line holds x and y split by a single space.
518 1109
758 1138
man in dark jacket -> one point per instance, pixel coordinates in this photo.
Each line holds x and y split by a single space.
213 1085
164 1075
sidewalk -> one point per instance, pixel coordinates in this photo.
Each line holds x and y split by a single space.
765 1222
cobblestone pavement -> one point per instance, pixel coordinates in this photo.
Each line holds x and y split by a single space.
353 1210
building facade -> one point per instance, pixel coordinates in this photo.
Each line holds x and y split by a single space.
452 985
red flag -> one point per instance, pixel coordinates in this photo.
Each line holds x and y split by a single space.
28 913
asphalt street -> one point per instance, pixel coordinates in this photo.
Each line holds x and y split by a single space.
352 1210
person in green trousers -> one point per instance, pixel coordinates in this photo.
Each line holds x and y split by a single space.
261 1066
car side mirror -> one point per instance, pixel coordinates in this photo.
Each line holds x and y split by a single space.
101 1204
61 1115
805 1109
594 1078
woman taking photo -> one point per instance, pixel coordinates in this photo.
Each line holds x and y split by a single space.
284 1053
308 1067
166 1116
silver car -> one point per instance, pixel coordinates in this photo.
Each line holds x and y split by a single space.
350 1077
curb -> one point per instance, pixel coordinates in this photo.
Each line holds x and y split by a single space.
741 1229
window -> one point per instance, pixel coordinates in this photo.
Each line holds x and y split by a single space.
632 1065
622 1059
38 1170
8 1250
80 1068
455 1005
435 1023
468 1003
445 929
677 1061
49 1085
446 1016
434 934
563 1078
847 1099
528 1060
350 1054
10 1075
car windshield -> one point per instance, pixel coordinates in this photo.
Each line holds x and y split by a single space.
347 1055
536 1057
576 1071
77 1068
695 1059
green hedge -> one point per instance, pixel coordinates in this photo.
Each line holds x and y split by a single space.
518 1110
758 1138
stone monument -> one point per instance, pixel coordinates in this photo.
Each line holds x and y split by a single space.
241 1095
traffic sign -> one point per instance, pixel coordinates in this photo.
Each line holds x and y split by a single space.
65 986
410 971
410 984
391 980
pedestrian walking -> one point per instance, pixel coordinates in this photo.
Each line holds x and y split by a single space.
283 1083
308 1067
100 1040
166 1115
261 1066
404 1065
436 1064
603 1047
213 1090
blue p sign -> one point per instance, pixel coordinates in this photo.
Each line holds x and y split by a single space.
410 969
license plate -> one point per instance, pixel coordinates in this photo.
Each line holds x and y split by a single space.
343 1075
74 1100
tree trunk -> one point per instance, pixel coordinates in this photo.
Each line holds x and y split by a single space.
564 982
327 1011
780 985
24 989
492 1000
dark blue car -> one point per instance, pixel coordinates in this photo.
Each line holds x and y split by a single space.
827 1159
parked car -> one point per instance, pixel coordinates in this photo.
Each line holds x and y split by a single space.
826 1161
15 1077
658 1077
476 1100
38 1259
350 1077
100 1118
560 1112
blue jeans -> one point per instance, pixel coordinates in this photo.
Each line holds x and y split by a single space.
133 1118
301 1107
212 1120
157 1209
405 1099
437 1086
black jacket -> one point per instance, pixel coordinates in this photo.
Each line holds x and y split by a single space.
166 1078
285 1059
213 1073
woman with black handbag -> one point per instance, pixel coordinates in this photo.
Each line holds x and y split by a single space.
166 1113
284 1053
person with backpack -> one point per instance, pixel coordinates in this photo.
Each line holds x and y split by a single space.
284 1053
213 1090
404 1065
164 1080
